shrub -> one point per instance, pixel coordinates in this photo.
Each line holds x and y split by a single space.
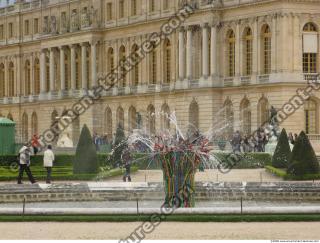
281 156
86 161
303 160
120 145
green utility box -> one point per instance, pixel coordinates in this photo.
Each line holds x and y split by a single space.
7 136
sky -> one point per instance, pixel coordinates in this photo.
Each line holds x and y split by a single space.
4 3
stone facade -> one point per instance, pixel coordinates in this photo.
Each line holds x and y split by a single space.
230 60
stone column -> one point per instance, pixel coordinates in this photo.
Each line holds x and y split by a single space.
94 64
43 83
6 78
205 51
213 54
189 52
73 67
32 83
181 54
84 66
62 70
52 73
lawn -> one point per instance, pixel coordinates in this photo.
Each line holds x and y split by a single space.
60 173
283 174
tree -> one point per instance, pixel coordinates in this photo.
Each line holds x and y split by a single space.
119 146
86 161
303 159
281 156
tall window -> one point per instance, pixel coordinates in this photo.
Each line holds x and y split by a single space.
36 26
133 7
10 30
34 124
1 32
132 118
245 116
151 120
27 84
152 5
110 60
266 49
248 52
122 55
2 81
26 27
165 4
310 110
11 79
135 70
78 84
228 118
37 76
108 123
109 11
167 61
25 135
153 66
263 111
165 121
310 48
120 117
231 53
121 9
194 115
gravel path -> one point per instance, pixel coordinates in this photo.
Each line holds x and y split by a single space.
165 231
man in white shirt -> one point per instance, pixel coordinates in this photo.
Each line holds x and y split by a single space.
24 164
48 158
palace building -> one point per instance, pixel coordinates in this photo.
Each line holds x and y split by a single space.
230 61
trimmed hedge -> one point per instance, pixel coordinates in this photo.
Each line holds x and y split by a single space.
283 174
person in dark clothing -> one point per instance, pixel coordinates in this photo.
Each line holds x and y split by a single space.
24 164
126 158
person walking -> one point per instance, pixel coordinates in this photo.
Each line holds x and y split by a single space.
48 159
24 164
126 158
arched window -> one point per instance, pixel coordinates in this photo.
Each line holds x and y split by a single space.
167 61
263 111
266 49
37 76
108 123
165 121
153 66
135 69
245 116
247 45
122 57
151 120
310 48
27 72
228 118
132 118
311 114
25 135
11 80
194 115
34 124
231 42
2 81
110 57
120 117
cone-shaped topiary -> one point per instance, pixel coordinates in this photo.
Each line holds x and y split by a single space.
281 156
119 146
303 158
86 161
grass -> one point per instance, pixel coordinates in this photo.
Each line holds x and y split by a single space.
283 174
171 218
60 173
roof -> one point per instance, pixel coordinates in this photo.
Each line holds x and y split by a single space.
6 122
